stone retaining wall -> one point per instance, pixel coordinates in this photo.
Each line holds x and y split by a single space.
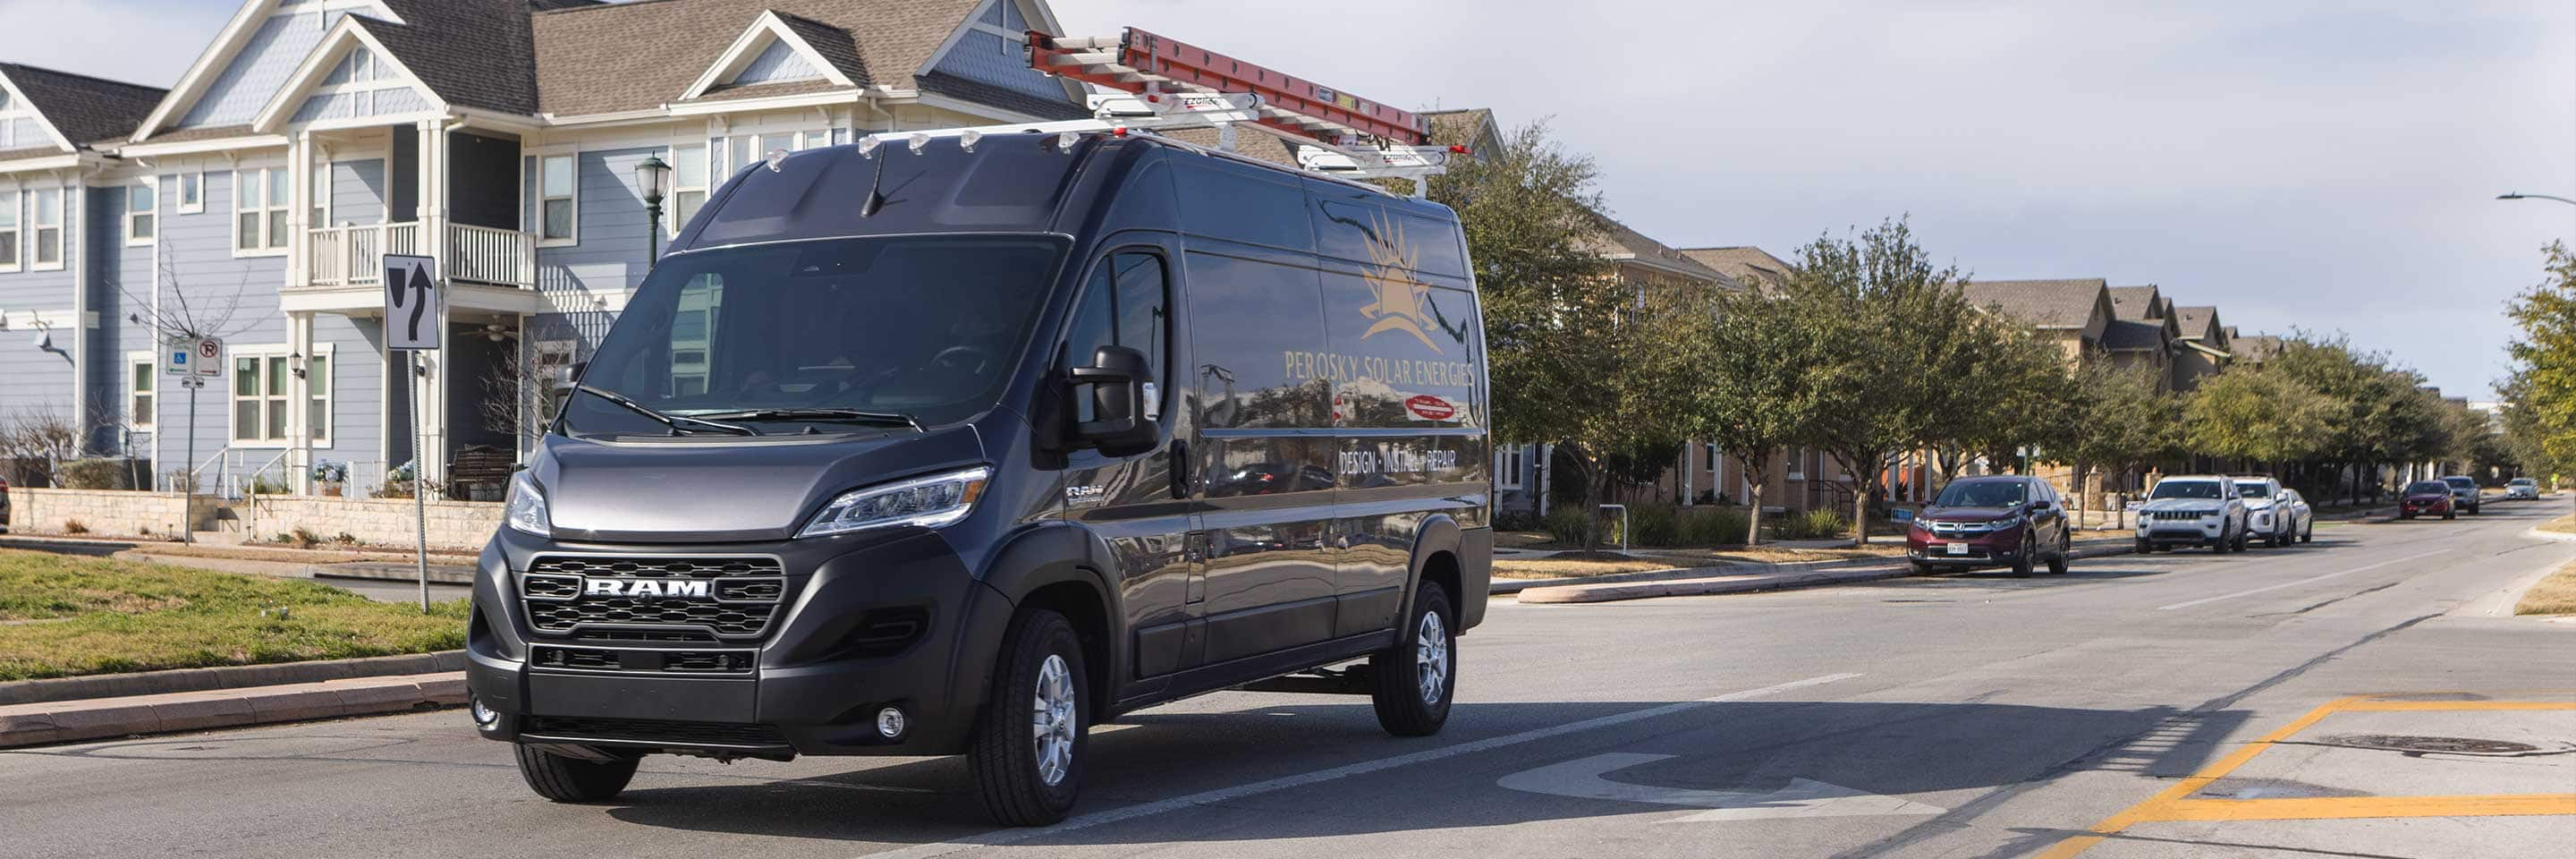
378 521
107 512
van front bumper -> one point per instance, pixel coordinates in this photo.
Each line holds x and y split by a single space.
830 660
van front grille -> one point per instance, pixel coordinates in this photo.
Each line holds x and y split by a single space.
655 732
635 660
673 598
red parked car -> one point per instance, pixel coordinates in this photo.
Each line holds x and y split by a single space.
2425 498
2003 521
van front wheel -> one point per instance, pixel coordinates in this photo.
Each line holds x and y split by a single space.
1413 682
1028 749
566 779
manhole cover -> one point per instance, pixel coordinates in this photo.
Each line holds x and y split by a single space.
2441 745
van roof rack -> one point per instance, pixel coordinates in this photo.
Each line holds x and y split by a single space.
1161 84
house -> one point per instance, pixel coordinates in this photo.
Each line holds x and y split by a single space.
2253 350
2142 332
501 138
2074 314
2203 350
1748 265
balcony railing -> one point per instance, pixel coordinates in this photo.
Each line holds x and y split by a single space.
354 255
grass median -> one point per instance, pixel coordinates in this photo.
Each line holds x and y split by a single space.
63 616
2554 595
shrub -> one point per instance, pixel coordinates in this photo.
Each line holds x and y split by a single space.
1814 524
304 537
1567 525
1652 525
1720 527
1516 520
261 484
95 474
75 526
346 539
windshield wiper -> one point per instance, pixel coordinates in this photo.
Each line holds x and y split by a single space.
901 419
672 421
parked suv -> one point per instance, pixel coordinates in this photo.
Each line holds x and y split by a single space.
2192 511
977 446
2265 517
2015 522
2464 492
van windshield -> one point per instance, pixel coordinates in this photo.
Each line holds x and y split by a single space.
841 335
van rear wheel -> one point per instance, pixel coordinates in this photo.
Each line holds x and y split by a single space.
1028 749
1413 682
568 779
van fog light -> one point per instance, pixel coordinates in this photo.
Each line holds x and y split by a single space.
890 723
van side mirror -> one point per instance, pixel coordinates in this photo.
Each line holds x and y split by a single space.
1122 392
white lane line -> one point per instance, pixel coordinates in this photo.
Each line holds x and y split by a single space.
1002 837
2305 581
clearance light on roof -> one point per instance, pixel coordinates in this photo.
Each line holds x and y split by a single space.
919 140
966 139
868 146
776 157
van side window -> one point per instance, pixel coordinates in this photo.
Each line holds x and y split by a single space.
1240 204
1126 304
1257 333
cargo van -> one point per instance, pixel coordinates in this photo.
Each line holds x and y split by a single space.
965 445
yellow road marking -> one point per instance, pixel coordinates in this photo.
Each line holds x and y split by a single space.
2348 807
2172 804
2413 706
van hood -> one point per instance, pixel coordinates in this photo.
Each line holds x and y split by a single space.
704 489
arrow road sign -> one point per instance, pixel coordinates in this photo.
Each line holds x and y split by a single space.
1801 798
414 307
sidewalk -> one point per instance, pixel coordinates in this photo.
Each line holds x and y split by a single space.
1744 578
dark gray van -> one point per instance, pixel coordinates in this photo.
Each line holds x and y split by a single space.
966 446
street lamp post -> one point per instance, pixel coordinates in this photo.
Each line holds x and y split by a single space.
653 178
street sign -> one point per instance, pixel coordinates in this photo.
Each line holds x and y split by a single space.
192 356
414 308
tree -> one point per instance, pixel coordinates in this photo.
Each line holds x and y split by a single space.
2249 413
1883 314
1755 391
2002 389
2542 385
1576 356
2114 418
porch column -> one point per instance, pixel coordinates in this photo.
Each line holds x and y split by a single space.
431 407
299 339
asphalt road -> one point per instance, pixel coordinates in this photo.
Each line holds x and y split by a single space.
2160 706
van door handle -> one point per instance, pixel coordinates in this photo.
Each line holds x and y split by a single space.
1180 454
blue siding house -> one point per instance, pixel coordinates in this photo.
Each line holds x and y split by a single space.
255 198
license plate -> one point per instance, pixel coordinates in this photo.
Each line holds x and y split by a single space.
1958 548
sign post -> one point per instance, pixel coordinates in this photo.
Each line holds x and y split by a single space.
192 359
415 314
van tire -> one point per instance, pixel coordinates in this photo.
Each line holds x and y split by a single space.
564 779
1395 674
1004 753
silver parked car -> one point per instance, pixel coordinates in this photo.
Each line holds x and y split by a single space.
2297 518
2522 489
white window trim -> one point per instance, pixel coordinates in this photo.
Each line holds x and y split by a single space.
295 406
18 211
180 184
153 183
671 205
62 231
1508 466
152 370
321 193
575 199
266 206
303 408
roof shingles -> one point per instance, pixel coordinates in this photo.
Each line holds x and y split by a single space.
85 109
2043 303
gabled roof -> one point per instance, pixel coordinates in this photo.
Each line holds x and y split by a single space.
80 108
831 51
471 53
1472 127
2044 303
2200 324
1745 263
2137 302
588 62
1620 242
2257 348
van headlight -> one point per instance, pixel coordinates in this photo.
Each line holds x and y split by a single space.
928 502
525 508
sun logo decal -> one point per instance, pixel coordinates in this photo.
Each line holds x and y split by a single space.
1401 300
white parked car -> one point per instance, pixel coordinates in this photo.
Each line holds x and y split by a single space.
2264 518
2294 510
2521 489
2195 511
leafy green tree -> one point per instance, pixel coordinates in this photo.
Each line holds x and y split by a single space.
2115 419
2543 382
1885 313
2251 414
2000 387
1576 356
1757 360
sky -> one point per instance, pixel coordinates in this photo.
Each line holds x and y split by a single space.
2321 166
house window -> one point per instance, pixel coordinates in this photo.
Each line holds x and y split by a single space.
142 207
688 184
142 374
317 409
259 221
49 228
321 197
558 187
192 193
9 231
259 398
1508 465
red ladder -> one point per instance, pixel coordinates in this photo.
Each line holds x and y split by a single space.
1150 65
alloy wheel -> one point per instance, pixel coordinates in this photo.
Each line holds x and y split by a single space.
1431 657
1052 719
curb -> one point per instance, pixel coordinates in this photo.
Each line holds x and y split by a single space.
228 677
381 571
1748 583
2537 534
1511 586
62 722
